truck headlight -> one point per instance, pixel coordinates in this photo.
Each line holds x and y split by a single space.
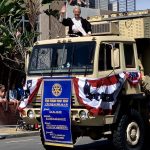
30 114
82 114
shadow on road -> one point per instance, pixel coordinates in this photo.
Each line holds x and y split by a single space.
102 145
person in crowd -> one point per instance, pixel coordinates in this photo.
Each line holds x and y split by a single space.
78 26
3 99
20 90
13 97
72 2
81 3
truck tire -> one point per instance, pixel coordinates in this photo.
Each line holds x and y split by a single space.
146 84
74 138
129 135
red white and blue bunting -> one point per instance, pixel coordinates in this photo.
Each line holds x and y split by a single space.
30 90
133 77
100 95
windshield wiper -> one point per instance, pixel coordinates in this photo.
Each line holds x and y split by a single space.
86 68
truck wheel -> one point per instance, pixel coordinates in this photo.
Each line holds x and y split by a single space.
129 134
74 138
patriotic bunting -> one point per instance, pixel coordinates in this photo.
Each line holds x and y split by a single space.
30 90
98 95
133 77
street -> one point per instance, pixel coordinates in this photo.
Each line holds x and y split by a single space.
34 143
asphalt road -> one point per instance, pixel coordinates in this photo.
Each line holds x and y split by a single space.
34 143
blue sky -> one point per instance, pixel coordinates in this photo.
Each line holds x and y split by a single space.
142 4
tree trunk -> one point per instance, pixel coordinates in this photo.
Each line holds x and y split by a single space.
8 82
2 73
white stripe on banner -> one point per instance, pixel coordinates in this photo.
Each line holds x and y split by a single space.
96 103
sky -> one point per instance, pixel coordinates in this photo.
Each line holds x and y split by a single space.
142 4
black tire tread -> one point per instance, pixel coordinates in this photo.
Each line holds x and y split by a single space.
119 133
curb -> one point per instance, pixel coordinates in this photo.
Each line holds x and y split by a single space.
7 136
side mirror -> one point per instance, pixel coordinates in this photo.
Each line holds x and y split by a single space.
115 61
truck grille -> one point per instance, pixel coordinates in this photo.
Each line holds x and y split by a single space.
37 101
72 100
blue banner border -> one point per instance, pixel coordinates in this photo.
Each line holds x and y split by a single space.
50 142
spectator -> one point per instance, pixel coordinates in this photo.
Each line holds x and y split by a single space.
77 25
20 90
3 99
81 3
13 97
72 2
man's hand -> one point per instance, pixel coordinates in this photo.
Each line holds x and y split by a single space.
62 13
63 10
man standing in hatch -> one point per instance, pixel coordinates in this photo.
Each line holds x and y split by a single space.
78 26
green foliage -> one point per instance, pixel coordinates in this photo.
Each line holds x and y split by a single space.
28 38
11 12
5 7
8 7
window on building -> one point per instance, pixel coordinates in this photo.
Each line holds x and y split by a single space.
129 55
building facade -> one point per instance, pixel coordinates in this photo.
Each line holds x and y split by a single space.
122 5
98 4
113 5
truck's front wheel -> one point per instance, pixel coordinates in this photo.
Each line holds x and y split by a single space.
129 134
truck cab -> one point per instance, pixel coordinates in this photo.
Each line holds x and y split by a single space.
106 95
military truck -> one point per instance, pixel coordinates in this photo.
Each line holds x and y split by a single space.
89 86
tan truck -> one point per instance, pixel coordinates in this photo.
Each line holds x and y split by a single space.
108 90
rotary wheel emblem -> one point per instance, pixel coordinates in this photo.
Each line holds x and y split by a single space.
56 89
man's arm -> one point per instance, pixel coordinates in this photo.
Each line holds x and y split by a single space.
64 21
89 29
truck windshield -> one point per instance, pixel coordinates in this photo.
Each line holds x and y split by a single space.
62 58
